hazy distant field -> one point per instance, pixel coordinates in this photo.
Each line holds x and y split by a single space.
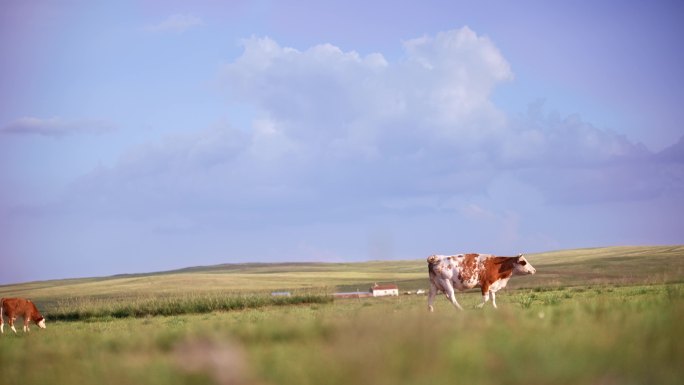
602 316
613 265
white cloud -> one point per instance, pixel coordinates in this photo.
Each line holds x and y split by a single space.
440 91
55 127
178 23
342 139
343 133
462 69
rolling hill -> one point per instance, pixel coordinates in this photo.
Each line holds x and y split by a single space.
623 265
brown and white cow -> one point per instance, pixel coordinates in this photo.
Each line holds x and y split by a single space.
20 307
466 271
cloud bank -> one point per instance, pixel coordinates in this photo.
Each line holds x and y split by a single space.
339 133
344 145
335 130
54 127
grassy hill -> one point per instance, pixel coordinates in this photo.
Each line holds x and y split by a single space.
597 266
623 265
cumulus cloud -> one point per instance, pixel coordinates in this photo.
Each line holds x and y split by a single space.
54 127
673 153
342 137
345 128
356 102
177 23
573 162
564 141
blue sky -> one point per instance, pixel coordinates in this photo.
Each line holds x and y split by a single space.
141 136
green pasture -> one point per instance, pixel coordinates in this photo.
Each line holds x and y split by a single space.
593 316
582 335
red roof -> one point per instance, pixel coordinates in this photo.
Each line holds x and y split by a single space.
385 287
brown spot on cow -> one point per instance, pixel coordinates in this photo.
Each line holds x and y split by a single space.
469 266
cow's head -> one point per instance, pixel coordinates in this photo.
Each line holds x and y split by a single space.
41 323
522 266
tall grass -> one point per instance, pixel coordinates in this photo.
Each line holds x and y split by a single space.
627 335
614 335
86 308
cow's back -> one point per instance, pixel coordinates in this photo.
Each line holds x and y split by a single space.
12 306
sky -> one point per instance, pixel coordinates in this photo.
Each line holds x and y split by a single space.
140 136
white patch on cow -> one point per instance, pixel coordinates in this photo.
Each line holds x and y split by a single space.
441 273
460 285
41 324
498 284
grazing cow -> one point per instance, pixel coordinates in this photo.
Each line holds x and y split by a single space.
465 271
19 307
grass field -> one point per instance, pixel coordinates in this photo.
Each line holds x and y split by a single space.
594 316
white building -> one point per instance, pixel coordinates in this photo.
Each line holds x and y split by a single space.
384 290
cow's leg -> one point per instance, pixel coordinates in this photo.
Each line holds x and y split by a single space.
2 319
11 322
450 295
494 299
27 319
485 296
431 296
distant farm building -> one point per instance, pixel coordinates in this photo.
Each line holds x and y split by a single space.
374 291
384 290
